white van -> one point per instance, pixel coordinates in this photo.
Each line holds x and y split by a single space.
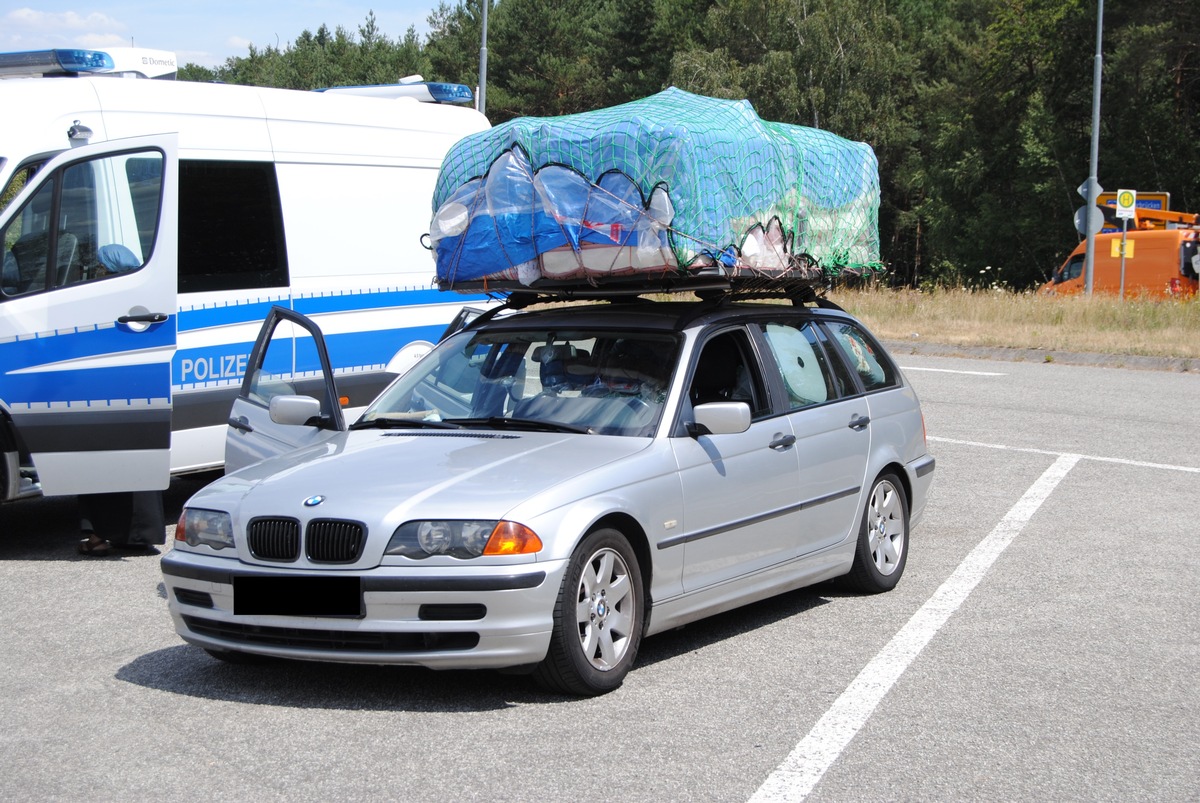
147 226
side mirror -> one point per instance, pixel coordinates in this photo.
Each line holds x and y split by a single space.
720 418
294 410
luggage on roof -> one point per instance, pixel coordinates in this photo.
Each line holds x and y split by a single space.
672 186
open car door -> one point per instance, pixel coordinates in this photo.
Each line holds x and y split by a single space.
88 316
288 397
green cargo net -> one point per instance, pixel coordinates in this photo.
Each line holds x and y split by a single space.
673 184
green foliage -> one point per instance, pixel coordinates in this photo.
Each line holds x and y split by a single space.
979 110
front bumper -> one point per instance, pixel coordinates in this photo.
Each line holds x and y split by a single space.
444 618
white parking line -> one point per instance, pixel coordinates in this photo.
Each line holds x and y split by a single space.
951 371
800 772
1027 450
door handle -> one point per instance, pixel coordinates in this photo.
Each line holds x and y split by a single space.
241 423
148 317
859 422
782 442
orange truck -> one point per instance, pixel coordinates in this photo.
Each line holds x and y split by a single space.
1162 259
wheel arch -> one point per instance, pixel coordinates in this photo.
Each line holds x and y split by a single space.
633 531
905 481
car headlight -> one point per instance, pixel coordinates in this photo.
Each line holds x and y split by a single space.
212 528
462 539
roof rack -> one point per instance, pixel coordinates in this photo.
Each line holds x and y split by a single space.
713 291
708 283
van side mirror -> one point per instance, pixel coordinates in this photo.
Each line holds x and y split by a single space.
720 418
294 410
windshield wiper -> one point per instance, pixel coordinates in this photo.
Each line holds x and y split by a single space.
401 423
527 424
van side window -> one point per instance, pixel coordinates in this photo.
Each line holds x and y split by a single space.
230 226
89 220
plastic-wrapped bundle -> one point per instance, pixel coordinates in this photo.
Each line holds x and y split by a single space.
668 185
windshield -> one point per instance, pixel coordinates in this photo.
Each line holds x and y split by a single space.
596 382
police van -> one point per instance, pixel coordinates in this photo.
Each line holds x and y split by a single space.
148 225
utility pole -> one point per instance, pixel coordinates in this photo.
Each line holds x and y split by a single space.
1093 184
483 61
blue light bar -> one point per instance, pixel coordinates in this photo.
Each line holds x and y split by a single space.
451 93
424 91
50 62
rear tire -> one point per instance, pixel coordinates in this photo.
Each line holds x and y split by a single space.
597 618
882 549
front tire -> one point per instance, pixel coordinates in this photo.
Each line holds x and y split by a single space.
597 618
882 549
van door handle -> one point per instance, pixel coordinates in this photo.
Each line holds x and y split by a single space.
148 317
782 442
860 422
241 423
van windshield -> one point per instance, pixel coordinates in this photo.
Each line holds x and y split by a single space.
18 181
1073 269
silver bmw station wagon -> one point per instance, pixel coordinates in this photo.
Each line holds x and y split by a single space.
546 488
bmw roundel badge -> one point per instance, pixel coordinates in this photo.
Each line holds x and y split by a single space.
313 501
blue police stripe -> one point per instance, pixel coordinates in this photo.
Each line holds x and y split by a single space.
136 383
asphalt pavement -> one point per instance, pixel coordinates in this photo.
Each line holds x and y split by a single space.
1043 645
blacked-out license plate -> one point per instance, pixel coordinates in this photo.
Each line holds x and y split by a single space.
297 596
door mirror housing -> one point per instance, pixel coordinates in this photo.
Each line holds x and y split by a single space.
720 418
294 410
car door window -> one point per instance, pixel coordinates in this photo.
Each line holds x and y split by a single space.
727 371
802 363
89 220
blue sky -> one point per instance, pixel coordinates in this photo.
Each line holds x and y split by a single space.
205 32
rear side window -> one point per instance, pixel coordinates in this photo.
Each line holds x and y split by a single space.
230 226
865 356
805 369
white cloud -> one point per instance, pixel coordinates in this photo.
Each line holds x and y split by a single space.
29 21
99 41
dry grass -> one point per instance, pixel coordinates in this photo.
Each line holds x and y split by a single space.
1099 324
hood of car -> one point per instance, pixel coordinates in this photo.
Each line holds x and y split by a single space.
374 476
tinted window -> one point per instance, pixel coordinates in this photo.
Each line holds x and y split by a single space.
230 226
865 356
803 365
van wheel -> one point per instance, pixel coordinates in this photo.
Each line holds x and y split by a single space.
882 549
597 618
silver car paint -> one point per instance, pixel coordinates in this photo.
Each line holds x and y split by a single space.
573 482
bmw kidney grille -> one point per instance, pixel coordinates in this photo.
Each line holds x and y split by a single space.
325 540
